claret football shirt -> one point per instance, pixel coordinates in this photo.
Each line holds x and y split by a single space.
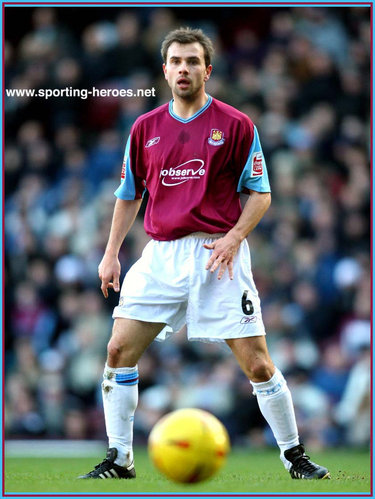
193 169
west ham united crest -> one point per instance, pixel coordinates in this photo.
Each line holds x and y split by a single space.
216 137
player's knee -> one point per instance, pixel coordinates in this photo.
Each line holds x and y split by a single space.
260 370
119 354
114 350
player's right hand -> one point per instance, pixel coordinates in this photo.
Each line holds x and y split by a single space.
109 271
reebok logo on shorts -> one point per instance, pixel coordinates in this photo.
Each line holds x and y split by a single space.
248 320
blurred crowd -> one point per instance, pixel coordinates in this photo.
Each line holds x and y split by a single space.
303 76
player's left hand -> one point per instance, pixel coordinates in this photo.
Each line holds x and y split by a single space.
224 251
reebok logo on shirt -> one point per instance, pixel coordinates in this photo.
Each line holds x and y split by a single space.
190 170
153 142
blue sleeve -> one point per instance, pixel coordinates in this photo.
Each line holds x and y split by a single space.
254 175
126 189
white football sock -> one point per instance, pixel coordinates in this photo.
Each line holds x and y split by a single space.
275 403
120 399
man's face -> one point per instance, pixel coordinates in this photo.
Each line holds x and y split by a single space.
185 69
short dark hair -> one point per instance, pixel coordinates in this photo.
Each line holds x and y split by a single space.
188 35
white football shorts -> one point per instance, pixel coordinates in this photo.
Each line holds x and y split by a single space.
169 284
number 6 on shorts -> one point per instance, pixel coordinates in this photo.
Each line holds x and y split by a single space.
247 305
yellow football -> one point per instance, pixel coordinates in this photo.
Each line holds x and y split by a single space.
188 445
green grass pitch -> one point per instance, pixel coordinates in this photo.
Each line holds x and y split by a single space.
245 472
